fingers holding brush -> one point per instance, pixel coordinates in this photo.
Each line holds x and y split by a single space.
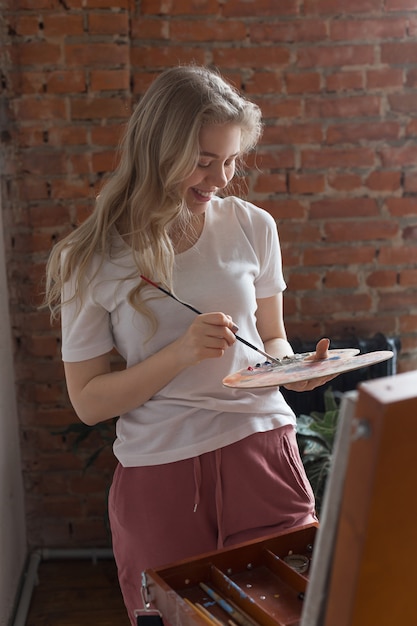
207 337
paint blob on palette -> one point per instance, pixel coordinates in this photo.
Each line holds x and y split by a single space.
300 368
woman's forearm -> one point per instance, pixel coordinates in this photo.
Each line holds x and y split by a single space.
108 394
98 394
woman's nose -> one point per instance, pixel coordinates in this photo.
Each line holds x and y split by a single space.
219 176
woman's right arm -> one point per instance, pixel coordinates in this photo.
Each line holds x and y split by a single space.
98 394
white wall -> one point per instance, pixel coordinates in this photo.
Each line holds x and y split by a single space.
12 517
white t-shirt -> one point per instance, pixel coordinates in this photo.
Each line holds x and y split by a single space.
235 261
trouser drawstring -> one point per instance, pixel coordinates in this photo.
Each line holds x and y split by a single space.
197 481
218 495
219 499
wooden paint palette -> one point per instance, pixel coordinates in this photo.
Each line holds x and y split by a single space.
299 368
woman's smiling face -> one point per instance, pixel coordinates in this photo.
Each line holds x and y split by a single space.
219 148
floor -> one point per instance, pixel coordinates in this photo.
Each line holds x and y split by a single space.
77 593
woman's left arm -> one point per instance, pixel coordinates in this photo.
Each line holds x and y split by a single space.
271 327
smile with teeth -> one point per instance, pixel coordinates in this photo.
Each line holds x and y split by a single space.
205 195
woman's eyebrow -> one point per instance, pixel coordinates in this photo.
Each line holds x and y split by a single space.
217 156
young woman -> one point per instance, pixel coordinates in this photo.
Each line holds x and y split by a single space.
201 466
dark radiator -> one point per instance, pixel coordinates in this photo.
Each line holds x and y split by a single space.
303 403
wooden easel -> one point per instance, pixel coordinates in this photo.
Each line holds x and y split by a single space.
372 579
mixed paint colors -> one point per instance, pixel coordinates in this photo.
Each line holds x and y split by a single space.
300 367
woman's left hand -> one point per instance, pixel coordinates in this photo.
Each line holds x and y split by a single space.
321 353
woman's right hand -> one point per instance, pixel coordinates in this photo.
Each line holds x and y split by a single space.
207 337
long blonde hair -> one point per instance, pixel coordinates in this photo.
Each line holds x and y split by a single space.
142 198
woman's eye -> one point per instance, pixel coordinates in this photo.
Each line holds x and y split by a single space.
228 163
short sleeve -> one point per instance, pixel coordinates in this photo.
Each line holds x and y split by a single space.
85 326
261 230
270 279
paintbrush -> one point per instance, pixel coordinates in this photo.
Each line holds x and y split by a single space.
270 358
234 613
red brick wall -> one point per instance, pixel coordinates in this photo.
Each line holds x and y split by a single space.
337 82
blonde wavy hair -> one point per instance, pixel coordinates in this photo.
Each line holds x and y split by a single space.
142 199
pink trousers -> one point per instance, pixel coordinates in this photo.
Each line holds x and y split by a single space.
164 513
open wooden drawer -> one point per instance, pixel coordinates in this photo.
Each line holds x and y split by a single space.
263 580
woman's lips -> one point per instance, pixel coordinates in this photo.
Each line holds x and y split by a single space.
201 195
